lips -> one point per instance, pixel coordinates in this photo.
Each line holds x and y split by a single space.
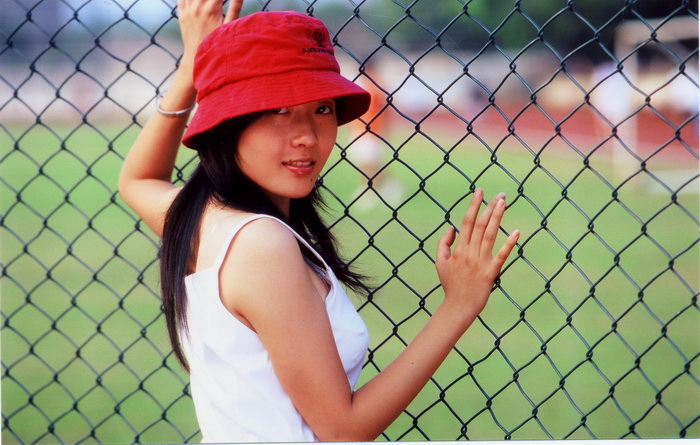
300 167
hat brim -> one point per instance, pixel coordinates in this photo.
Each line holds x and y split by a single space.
276 91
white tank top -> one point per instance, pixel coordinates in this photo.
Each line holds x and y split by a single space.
236 393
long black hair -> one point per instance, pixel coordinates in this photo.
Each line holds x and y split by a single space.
218 177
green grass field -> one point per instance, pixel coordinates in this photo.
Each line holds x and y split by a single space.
593 332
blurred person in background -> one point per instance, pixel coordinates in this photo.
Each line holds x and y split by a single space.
367 150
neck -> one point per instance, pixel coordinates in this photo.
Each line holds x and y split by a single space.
283 204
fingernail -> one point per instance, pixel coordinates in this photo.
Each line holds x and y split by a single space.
500 204
501 196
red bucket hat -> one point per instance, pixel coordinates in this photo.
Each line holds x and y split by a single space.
264 61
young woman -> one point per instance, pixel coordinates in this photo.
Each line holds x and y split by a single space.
250 275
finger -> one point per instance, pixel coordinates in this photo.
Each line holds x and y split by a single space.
505 250
482 222
465 232
212 7
491 231
233 11
443 247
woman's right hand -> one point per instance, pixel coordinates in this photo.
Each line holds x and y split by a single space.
197 18
145 178
468 271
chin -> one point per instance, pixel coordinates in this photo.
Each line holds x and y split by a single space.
302 192
300 195
293 194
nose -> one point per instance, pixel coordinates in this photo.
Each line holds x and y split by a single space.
303 131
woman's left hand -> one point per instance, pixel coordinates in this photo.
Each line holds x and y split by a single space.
468 271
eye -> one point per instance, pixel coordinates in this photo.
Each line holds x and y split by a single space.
280 111
325 109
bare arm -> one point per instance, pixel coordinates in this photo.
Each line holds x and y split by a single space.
145 178
291 320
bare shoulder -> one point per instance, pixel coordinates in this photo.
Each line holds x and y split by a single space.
219 222
263 247
263 262
263 237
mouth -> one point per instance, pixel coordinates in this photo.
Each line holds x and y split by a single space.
300 167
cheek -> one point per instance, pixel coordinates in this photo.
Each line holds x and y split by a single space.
252 154
254 165
329 137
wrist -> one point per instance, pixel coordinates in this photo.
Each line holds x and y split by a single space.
458 314
179 96
170 113
183 83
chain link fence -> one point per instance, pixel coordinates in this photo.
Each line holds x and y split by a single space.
583 112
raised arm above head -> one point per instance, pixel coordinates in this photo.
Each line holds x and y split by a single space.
145 178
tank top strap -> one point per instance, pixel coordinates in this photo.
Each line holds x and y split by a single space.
229 239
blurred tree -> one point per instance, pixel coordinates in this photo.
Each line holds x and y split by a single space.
582 28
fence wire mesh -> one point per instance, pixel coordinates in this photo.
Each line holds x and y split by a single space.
583 112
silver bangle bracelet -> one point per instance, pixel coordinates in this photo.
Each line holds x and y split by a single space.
172 114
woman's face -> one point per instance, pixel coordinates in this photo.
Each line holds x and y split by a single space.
284 151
